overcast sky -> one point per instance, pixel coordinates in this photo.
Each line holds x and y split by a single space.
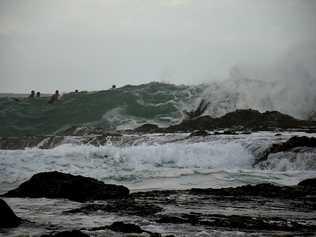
92 44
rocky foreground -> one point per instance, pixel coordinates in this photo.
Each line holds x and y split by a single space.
264 209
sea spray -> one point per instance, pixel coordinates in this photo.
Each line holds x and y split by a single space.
181 163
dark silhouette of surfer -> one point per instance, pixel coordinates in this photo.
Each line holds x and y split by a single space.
54 97
38 94
32 94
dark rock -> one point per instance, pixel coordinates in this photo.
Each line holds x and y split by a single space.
198 111
60 185
7 217
126 207
73 233
262 190
147 128
293 142
229 132
308 183
200 123
243 120
199 133
125 228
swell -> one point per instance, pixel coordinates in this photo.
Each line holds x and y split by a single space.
131 106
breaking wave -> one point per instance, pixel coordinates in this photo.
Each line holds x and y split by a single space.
221 161
161 103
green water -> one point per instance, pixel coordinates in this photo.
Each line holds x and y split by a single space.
157 102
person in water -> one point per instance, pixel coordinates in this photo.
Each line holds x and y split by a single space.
32 94
54 97
38 94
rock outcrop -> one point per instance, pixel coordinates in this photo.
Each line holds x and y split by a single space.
8 219
242 120
60 185
263 190
289 145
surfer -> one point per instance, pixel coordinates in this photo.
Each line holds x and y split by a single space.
32 94
38 94
54 97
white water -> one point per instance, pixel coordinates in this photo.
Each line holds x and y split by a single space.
159 161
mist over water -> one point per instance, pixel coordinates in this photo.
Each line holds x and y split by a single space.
287 85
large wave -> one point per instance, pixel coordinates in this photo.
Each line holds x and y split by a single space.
161 103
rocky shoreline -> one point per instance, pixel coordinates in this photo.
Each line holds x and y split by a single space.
262 208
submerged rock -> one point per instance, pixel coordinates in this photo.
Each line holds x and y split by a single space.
60 185
8 219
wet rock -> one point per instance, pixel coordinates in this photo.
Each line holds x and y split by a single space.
294 142
126 207
262 190
289 145
308 183
147 128
125 228
243 120
8 219
200 123
73 233
199 133
60 185
229 132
